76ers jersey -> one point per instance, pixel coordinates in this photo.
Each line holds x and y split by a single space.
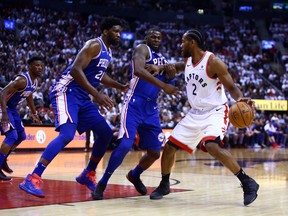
21 95
93 72
204 93
142 88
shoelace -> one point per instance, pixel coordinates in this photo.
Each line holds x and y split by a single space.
92 176
247 188
36 182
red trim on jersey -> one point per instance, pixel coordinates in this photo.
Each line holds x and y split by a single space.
226 114
202 146
200 59
209 59
128 100
180 145
185 60
66 108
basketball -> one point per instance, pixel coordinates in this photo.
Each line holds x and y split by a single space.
241 114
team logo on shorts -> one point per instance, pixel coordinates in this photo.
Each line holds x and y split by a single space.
161 137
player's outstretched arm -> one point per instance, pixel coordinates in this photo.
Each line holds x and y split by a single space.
108 81
171 69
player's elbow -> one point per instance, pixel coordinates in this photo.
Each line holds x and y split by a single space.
139 73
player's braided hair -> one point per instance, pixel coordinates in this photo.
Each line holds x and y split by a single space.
198 36
109 22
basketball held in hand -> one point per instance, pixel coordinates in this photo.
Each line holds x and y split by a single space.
241 114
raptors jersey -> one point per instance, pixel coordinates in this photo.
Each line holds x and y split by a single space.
21 95
204 92
93 72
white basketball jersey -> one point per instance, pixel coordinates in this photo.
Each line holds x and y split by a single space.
204 93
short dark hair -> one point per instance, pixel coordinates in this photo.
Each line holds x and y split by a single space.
35 58
154 29
108 22
198 36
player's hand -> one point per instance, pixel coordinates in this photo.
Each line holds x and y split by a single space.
5 120
36 119
153 69
104 100
250 102
247 100
170 89
170 70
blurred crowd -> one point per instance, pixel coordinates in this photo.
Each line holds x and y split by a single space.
58 36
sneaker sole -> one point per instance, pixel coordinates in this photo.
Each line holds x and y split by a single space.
22 187
6 179
254 197
251 200
158 197
96 197
7 171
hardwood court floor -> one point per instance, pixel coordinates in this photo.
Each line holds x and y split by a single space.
201 186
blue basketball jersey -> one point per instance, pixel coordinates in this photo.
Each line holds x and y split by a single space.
93 72
21 95
142 88
71 102
13 100
140 110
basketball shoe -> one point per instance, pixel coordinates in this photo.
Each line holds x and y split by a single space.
3 177
97 194
87 178
31 185
250 188
6 168
140 187
162 190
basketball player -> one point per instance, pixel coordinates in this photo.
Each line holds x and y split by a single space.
140 113
205 76
74 109
16 92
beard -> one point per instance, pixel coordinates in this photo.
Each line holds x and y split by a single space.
185 54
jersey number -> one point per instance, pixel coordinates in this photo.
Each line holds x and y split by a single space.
194 90
99 75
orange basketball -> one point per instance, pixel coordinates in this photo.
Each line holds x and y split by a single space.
241 114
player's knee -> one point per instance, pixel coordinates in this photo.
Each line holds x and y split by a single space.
11 138
21 136
170 146
125 145
211 144
153 154
66 137
103 131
